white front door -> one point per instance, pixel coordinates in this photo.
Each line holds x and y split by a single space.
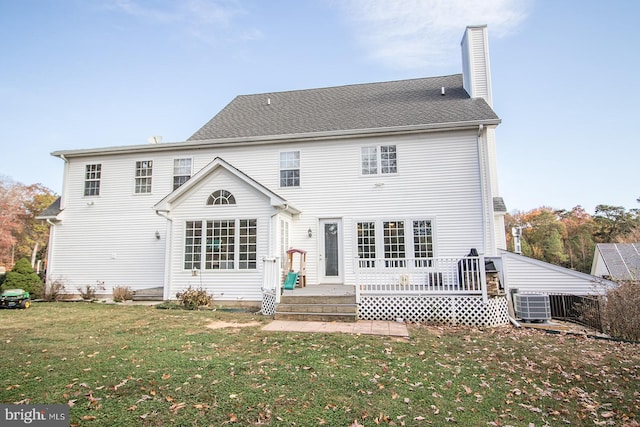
330 251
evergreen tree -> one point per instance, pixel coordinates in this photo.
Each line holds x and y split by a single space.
22 276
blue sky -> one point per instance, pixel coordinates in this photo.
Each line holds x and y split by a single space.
98 73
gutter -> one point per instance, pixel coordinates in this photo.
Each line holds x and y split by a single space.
272 139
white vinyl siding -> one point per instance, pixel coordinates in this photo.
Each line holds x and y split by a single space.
440 175
530 275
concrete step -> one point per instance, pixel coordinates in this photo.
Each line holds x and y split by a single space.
318 308
149 294
317 317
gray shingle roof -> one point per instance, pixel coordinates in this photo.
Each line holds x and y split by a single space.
364 106
499 205
52 210
622 260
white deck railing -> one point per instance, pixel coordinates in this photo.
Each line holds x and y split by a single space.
271 278
432 276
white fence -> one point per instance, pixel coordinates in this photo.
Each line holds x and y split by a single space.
432 276
271 285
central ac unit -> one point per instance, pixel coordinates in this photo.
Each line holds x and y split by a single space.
532 307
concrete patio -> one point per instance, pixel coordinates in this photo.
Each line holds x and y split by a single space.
363 327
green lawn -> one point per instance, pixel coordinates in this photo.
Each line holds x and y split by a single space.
121 365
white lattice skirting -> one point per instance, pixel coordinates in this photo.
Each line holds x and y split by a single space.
450 310
268 303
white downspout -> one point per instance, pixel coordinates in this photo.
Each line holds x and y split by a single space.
167 254
52 229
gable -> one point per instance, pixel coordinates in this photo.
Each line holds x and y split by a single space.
215 176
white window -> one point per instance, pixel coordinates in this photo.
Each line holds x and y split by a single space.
394 243
192 245
181 172
248 244
422 243
221 197
367 242
144 170
388 241
290 169
228 244
92 175
219 252
379 160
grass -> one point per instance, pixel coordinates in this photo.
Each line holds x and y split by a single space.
131 365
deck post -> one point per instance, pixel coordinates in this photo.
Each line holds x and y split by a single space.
483 279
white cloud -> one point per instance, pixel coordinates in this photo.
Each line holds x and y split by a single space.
415 34
204 20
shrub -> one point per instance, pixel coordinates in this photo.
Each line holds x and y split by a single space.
53 291
621 314
121 293
192 299
22 276
88 292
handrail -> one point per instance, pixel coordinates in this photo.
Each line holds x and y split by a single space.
440 275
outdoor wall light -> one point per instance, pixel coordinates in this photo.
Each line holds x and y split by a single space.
157 235
310 232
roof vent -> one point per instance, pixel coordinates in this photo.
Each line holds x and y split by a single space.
442 91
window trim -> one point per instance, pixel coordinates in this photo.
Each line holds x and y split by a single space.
242 260
143 177
221 195
174 176
281 169
93 190
411 250
378 168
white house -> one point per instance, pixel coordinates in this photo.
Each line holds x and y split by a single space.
387 186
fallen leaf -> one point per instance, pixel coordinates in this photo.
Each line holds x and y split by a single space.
177 406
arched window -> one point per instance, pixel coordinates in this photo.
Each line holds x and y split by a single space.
221 197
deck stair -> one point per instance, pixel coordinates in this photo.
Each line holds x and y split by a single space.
321 303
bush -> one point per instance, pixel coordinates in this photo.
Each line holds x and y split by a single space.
192 299
121 293
621 314
88 293
22 276
53 291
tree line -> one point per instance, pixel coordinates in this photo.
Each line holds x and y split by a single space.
21 234
568 237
